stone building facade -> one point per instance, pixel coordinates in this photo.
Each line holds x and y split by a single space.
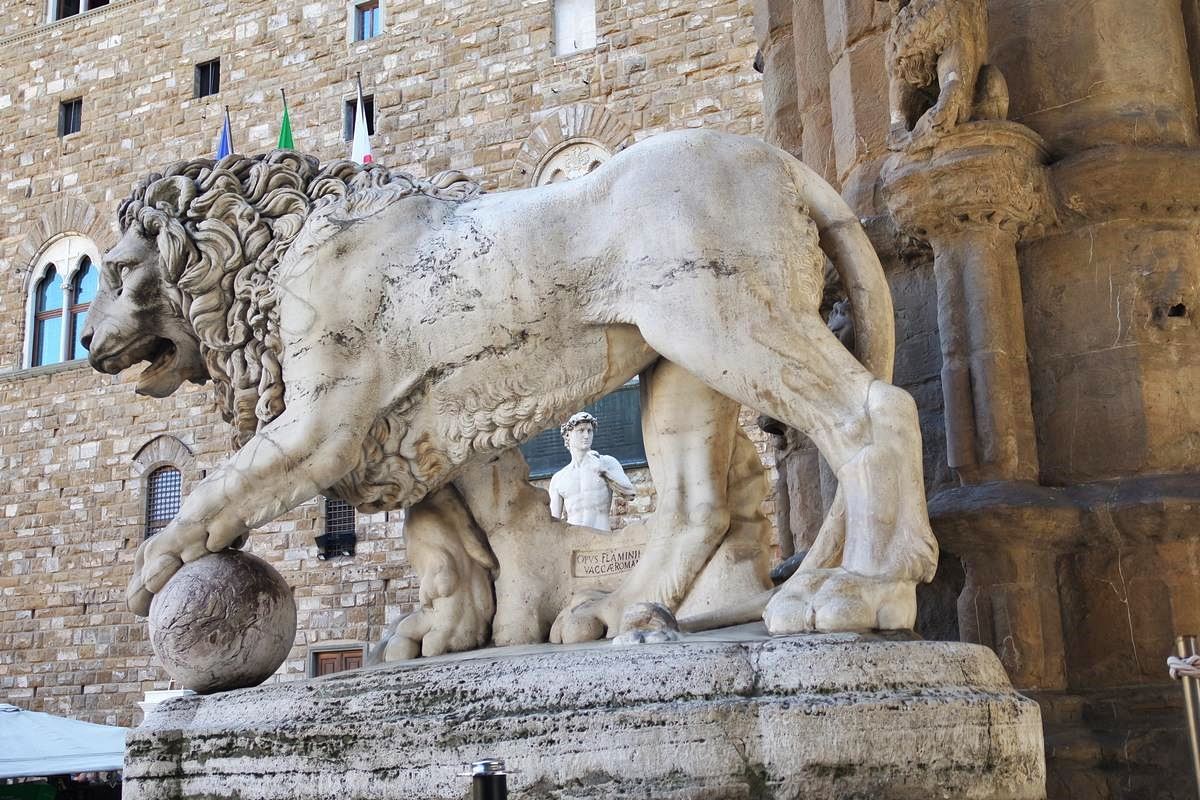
483 87
1052 348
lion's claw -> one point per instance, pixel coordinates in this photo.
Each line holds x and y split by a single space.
158 559
156 575
137 597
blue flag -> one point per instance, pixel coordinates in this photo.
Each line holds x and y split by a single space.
225 143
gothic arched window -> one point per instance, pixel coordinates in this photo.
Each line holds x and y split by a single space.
47 319
63 284
83 290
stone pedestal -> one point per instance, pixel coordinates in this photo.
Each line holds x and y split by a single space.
729 714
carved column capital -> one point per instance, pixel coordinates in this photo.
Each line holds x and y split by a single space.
987 174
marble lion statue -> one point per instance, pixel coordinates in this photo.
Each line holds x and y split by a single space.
935 55
378 338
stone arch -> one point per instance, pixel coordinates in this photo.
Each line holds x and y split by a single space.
63 217
575 127
161 451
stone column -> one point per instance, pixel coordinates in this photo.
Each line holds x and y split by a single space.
972 195
1095 74
1111 292
782 125
811 65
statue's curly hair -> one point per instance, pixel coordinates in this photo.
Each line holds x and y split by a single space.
221 228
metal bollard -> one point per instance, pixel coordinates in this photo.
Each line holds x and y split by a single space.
1185 646
489 780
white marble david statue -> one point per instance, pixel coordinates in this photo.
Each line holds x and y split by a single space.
582 491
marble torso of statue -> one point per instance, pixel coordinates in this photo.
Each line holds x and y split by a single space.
581 492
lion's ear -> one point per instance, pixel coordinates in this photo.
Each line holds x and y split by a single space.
171 195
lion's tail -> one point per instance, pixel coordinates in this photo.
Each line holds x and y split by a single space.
845 242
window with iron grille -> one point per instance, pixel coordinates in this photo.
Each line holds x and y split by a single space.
339 538
619 435
163 494
70 116
208 78
348 112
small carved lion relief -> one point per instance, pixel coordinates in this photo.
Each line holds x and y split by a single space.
935 63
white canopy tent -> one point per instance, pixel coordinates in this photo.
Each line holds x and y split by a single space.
33 744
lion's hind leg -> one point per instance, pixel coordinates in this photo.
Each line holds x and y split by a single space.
794 368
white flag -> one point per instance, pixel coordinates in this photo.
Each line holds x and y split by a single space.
361 150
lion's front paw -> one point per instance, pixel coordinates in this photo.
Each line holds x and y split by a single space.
158 559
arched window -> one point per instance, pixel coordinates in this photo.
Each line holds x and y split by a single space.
83 290
47 319
163 492
63 284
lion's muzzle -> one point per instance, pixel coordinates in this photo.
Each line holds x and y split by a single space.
112 360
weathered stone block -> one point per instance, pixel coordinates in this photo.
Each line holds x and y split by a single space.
728 714
858 88
847 21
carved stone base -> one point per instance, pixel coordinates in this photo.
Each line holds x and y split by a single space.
728 714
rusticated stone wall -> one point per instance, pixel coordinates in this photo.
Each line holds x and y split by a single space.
457 84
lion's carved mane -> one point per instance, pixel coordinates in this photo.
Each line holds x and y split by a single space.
222 227
920 33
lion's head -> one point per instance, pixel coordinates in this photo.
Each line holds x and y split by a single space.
189 287
134 318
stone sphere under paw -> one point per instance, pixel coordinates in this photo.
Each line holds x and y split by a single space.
224 621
